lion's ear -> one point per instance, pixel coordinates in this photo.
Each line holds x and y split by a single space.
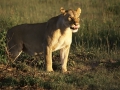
78 11
62 10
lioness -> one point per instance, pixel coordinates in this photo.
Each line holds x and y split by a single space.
56 34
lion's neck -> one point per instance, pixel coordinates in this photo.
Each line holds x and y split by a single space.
61 23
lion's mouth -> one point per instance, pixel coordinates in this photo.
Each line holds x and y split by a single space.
75 27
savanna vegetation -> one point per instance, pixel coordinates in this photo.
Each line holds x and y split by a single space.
94 60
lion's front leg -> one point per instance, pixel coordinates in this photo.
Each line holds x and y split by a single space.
64 52
48 58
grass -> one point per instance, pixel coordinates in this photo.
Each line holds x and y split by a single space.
94 61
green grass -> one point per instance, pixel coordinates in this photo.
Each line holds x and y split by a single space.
94 60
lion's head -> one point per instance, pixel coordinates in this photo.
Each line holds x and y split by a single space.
71 18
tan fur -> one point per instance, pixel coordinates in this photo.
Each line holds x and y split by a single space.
56 34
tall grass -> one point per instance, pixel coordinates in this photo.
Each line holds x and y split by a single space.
100 27
99 19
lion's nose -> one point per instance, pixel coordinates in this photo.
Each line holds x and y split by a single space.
76 24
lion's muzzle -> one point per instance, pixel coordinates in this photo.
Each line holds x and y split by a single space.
75 28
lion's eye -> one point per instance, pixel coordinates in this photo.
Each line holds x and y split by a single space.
69 18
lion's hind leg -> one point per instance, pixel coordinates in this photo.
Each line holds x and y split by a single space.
13 52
